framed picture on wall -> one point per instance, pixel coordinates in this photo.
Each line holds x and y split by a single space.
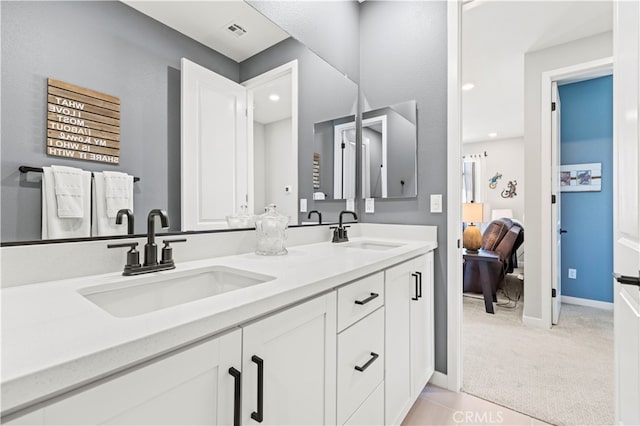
580 177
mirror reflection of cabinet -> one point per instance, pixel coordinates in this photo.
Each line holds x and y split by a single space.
334 171
389 151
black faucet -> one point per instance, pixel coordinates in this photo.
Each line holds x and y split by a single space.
340 232
129 214
133 267
319 216
151 249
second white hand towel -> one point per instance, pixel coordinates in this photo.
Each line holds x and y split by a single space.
102 223
118 190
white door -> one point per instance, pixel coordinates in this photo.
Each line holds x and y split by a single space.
289 366
213 147
555 206
626 222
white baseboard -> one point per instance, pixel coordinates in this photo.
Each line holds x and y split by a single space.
608 306
533 322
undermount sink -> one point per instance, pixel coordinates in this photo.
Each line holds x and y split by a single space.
371 245
139 295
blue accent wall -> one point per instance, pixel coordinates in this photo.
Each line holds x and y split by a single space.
586 122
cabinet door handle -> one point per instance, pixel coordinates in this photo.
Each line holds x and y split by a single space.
374 356
237 392
415 275
257 415
367 300
420 286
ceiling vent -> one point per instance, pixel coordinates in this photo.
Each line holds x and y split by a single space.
236 29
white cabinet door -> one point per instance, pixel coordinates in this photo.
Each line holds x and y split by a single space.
213 148
289 366
398 294
188 388
422 331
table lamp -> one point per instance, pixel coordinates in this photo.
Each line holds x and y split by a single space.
471 238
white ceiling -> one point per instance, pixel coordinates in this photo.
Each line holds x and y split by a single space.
265 110
495 37
207 22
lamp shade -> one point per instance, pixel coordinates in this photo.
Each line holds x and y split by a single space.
472 212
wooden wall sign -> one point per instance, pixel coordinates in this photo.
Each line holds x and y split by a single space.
82 123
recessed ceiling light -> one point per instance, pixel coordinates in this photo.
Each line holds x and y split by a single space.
273 97
493 134
468 86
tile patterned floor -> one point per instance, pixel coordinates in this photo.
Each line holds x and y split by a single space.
437 406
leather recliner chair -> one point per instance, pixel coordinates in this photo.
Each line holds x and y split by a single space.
502 237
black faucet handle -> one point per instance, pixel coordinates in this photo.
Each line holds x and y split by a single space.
179 240
133 255
132 245
167 250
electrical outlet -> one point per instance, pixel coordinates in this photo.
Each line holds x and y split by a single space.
572 273
369 206
303 205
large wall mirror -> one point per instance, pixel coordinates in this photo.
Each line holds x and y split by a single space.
389 151
133 50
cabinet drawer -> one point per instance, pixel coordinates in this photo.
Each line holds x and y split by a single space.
371 412
363 291
361 346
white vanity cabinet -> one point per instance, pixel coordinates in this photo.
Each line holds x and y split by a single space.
358 354
289 366
409 358
190 387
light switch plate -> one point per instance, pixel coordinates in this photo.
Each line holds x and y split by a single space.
436 203
369 206
351 205
572 273
303 205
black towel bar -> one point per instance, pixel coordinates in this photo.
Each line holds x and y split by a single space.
27 169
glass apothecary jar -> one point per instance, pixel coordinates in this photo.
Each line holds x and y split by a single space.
271 230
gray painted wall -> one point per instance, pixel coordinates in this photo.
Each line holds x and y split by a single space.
324 94
328 28
400 63
110 48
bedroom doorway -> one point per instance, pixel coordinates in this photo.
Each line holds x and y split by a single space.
511 357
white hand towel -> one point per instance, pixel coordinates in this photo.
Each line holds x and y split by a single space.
69 191
118 189
102 224
54 226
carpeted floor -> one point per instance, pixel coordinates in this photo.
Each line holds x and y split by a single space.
562 376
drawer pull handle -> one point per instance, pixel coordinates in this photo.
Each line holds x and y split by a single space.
374 356
420 287
258 415
237 392
415 275
367 300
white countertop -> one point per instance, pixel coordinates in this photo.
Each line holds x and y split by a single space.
54 340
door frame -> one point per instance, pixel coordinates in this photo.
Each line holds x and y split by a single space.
251 84
565 75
